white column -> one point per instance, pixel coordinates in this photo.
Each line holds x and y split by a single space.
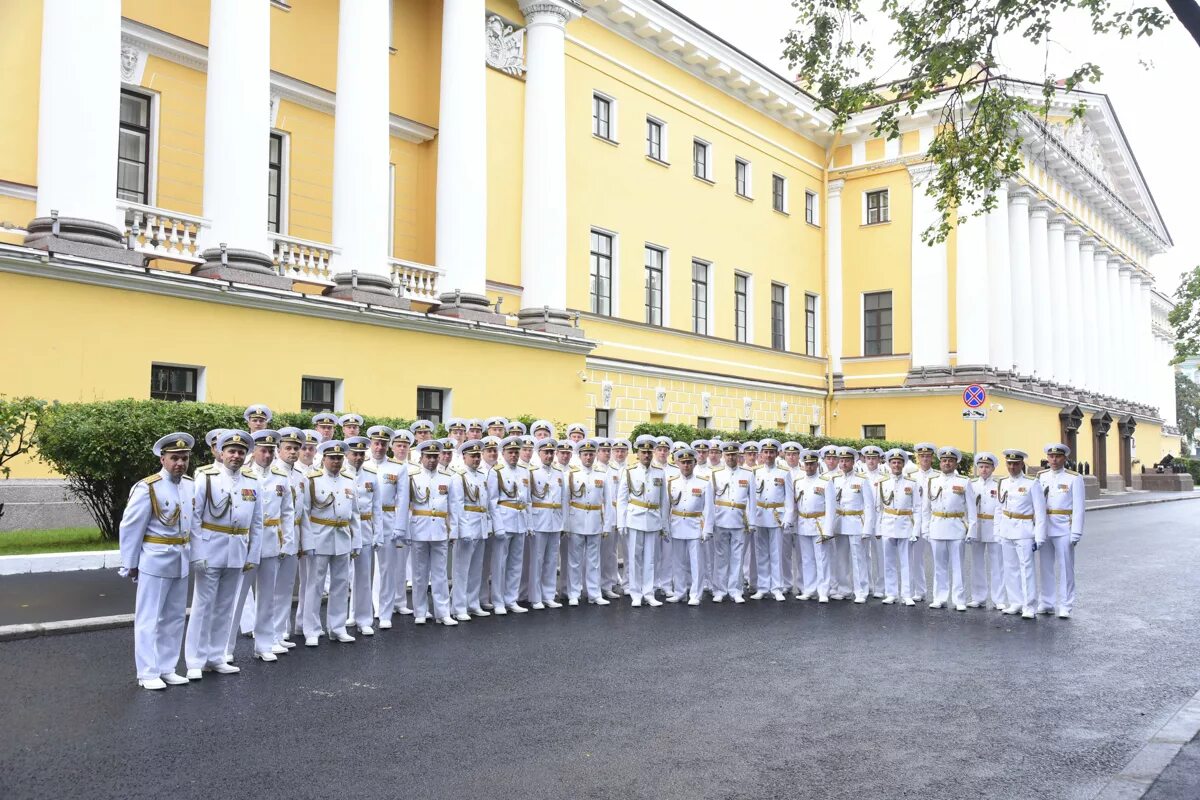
1113 338
544 190
461 204
1000 284
237 132
1145 339
361 146
79 116
1126 319
973 296
1104 361
930 311
1075 300
1059 311
1089 314
1039 277
833 279
1022 294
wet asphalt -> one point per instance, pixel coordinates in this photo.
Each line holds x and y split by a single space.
765 700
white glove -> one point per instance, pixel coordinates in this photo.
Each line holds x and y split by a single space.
1075 537
913 538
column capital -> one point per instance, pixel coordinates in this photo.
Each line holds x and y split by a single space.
1073 231
834 188
553 12
1059 220
1040 209
1019 196
921 173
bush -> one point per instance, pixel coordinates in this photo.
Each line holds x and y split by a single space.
19 421
1192 465
103 448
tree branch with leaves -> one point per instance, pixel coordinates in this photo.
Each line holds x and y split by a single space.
19 421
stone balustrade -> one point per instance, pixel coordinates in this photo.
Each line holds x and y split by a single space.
413 281
303 259
159 233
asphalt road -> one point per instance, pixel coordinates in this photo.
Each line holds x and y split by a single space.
765 700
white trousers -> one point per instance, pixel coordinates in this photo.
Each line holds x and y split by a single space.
266 575
814 565
789 560
337 607
508 551
987 572
874 552
643 550
564 566
543 566
389 579
583 564
748 569
610 573
688 567
239 610
158 617
768 556
302 568
1019 584
916 555
948 571
708 551
362 604
839 566
727 556
526 569
468 575
213 595
1057 561
897 567
662 564
860 583
429 570
285 589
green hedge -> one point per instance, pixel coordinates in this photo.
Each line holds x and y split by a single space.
1192 465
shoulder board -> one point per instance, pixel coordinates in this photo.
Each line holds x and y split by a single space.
574 469
371 468
278 470
673 477
187 477
248 472
207 468
826 476
155 478
314 473
717 469
1042 472
1070 472
392 460
443 471
527 466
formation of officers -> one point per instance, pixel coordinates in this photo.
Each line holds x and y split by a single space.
497 520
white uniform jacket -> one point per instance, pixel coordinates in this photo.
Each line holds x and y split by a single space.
899 513
856 505
948 508
227 519
429 505
156 526
331 526
775 501
391 485
642 499
587 501
469 503
691 506
548 499
1064 501
612 479
815 508
987 498
733 497
508 493
1022 509
298 479
279 519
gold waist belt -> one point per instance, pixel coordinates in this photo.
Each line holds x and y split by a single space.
515 505
813 514
897 512
986 516
420 512
271 523
476 509
731 504
586 506
635 502
150 539
370 515
770 505
949 514
332 523
232 531
1011 515
686 513
842 513
389 509
1063 511
547 505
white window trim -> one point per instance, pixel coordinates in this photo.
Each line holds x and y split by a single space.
152 145
285 179
866 192
666 282
864 426
816 220
612 116
447 399
787 199
339 392
749 306
787 316
614 283
816 324
201 376
862 323
749 195
708 296
665 155
708 160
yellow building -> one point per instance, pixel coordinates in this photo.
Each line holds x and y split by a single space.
581 209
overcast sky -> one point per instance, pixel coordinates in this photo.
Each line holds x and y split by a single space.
1156 105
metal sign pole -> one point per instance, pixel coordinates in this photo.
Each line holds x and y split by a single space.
974 437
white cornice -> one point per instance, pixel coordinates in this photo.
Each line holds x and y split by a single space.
187 53
34 263
18 190
651 371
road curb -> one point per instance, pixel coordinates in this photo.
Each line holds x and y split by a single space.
31 630
1154 502
1156 755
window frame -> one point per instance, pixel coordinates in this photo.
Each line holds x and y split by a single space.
700 145
335 385
812 208
281 205
703 423
197 377
742 333
812 323
744 425
593 255
707 299
743 184
601 428
867 430
890 324
610 105
647 271
150 174
662 157
883 210
438 415
779 193
779 338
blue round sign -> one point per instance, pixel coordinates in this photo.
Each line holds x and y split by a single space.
974 396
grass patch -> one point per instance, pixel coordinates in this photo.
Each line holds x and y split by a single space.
59 540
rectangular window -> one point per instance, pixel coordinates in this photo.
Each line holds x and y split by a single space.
877 207
601 273
810 324
703 423
814 430
654 286
133 148
173 383
741 177
317 394
602 117
874 431
431 404
744 425
700 159
877 324
654 139
602 422
275 184
778 317
810 208
741 305
779 193
699 297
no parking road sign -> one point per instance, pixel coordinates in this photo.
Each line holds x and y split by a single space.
974 396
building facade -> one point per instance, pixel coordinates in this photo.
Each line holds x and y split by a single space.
590 210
